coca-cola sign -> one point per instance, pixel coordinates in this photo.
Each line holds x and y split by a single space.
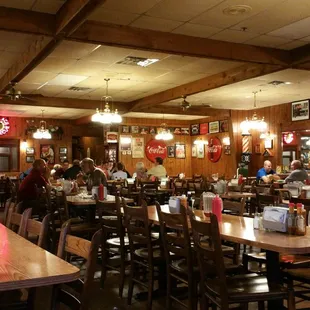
155 148
214 149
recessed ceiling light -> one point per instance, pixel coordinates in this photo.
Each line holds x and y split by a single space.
239 9
287 83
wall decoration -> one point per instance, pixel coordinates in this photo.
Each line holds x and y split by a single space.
245 158
214 127
155 148
246 144
214 149
4 126
268 143
47 153
29 159
204 128
171 151
112 137
137 147
267 153
134 129
289 138
125 143
200 150
185 131
180 151
62 158
30 150
194 150
194 129
152 130
144 130
177 131
300 110
227 150
63 150
224 126
125 129
257 149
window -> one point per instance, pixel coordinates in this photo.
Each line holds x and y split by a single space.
9 155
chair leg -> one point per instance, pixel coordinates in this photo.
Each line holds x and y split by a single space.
245 262
131 282
150 288
103 267
291 300
169 290
122 276
261 305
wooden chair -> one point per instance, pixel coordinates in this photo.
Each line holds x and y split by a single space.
266 200
222 291
88 250
179 256
7 206
15 220
180 187
236 188
234 207
115 246
145 253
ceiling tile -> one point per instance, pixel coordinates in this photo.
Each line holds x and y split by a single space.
17 4
151 86
113 17
108 54
50 90
55 64
130 6
153 23
216 18
38 77
69 49
180 10
291 45
233 36
7 59
47 6
268 41
178 77
276 16
72 94
196 30
27 88
67 79
87 68
173 62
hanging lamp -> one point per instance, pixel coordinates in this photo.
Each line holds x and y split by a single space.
42 132
165 133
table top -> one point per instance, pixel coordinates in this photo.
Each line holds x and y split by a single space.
79 201
240 230
25 265
238 195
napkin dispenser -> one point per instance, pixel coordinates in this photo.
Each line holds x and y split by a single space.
275 218
174 204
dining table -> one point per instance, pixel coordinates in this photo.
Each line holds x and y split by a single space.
87 200
25 265
237 195
240 230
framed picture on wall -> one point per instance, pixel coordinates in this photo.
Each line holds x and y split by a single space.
63 150
62 158
185 130
194 150
177 131
257 149
200 151
29 159
180 151
125 129
171 151
214 127
204 128
227 149
47 153
144 130
152 130
195 129
134 129
300 110
268 143
29 150
224 126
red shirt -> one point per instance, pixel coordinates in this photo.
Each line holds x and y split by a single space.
27 189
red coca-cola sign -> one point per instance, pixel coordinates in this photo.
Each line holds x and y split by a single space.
155 148
214 149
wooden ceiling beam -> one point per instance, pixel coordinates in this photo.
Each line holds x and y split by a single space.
150 40
244 72
29 22
70 16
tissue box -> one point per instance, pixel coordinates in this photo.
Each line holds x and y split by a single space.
275 218
174 205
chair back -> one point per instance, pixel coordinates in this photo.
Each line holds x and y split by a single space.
177 243
138 227
86 249
15 221
234 207
7 206
117 186
208 247
180 187
236 188
266 200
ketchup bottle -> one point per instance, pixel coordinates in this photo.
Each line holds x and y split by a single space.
240 179
217 206
101 192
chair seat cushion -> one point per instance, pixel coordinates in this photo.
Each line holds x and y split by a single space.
143 253
181 266
116 241
299 274
250 286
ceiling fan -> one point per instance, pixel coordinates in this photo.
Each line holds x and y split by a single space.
185 105
13 94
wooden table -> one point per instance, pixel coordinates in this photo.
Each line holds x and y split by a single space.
25 265
237 195
79 201
240 230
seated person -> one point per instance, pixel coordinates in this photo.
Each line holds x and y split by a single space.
90 175
72 172
119 174
141 172
125 170
158 170
298 173
37 178
57 172
266 174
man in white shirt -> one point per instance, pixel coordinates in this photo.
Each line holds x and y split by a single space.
158 170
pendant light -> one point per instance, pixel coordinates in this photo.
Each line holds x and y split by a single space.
254 123
165 133
107 116
42 132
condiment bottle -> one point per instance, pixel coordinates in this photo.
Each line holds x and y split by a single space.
240 179
300 222
217 206
101 192
291 220
256 219
184 201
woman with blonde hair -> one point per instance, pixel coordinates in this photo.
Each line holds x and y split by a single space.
141 172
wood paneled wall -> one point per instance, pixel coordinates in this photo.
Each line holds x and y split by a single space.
173 166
